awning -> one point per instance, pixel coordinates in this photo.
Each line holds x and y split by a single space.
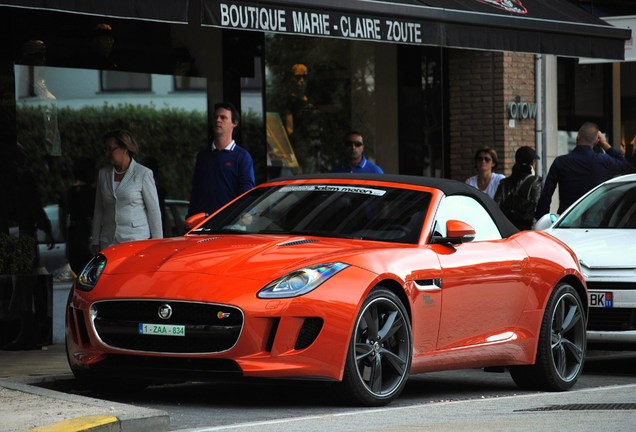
531 26
626 21
173 11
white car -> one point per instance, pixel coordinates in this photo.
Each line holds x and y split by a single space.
601 229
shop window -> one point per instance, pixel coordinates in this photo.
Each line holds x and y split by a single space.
25 84
117 81
584 94
187 83
254 82
317 89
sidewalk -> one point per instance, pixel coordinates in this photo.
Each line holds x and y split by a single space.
26 407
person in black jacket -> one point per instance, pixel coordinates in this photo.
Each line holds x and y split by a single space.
517 195
76 213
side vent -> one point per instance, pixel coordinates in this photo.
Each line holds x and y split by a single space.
81 325
308 332
272 334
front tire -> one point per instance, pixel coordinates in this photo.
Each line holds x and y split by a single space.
95 380
379 355
561 347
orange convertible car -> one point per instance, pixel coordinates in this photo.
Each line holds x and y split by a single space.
356 279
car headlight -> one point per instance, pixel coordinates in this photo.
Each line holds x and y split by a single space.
91 272
301 281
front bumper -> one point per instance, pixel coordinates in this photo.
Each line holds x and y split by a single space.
302 337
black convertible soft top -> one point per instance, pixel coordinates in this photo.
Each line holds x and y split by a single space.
447 186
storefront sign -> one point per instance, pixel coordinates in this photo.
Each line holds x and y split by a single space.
253 16
522 110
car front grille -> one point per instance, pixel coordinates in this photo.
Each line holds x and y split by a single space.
208 327
611 319
610 286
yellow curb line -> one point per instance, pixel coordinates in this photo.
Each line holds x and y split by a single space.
86 423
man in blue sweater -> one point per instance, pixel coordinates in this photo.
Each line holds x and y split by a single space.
224 170
581 170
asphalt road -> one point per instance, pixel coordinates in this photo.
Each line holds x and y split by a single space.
215 406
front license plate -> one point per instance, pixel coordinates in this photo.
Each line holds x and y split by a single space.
161 329
602 299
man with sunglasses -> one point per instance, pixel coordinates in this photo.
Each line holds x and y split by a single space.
354 160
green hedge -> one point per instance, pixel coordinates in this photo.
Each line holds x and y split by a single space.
16 254
171 136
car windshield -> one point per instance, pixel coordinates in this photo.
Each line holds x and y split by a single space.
345 211
613 205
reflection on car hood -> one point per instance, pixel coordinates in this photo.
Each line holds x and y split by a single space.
598 248
247 256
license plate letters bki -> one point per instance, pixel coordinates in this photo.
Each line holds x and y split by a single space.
601 299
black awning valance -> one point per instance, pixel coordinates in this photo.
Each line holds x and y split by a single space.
533 26
174 11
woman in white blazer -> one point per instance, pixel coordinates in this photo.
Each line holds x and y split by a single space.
126 201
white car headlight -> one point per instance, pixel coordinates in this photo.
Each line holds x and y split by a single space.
91 273
301 281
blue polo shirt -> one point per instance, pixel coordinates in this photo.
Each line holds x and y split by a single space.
219 177
364 167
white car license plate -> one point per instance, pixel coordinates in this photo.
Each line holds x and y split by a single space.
601 299
161 329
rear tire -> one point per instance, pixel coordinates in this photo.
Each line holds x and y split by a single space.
380 351
561 346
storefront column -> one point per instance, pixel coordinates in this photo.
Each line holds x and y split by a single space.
551 144
386 144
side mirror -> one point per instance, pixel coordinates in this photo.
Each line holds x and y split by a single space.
545 222
457 232
194 220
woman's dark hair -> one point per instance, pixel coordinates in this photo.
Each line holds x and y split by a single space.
491 152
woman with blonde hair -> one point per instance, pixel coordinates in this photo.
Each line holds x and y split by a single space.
126 201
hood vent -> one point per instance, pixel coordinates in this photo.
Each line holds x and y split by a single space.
297 242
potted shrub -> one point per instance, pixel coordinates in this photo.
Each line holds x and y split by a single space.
25 297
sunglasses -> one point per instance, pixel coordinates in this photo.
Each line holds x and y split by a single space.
483 158
352 143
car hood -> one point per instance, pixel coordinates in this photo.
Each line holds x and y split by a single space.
599 248
246 256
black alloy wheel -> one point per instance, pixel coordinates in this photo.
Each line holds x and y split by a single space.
380 351
562 344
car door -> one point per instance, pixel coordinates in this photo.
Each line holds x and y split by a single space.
483 285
